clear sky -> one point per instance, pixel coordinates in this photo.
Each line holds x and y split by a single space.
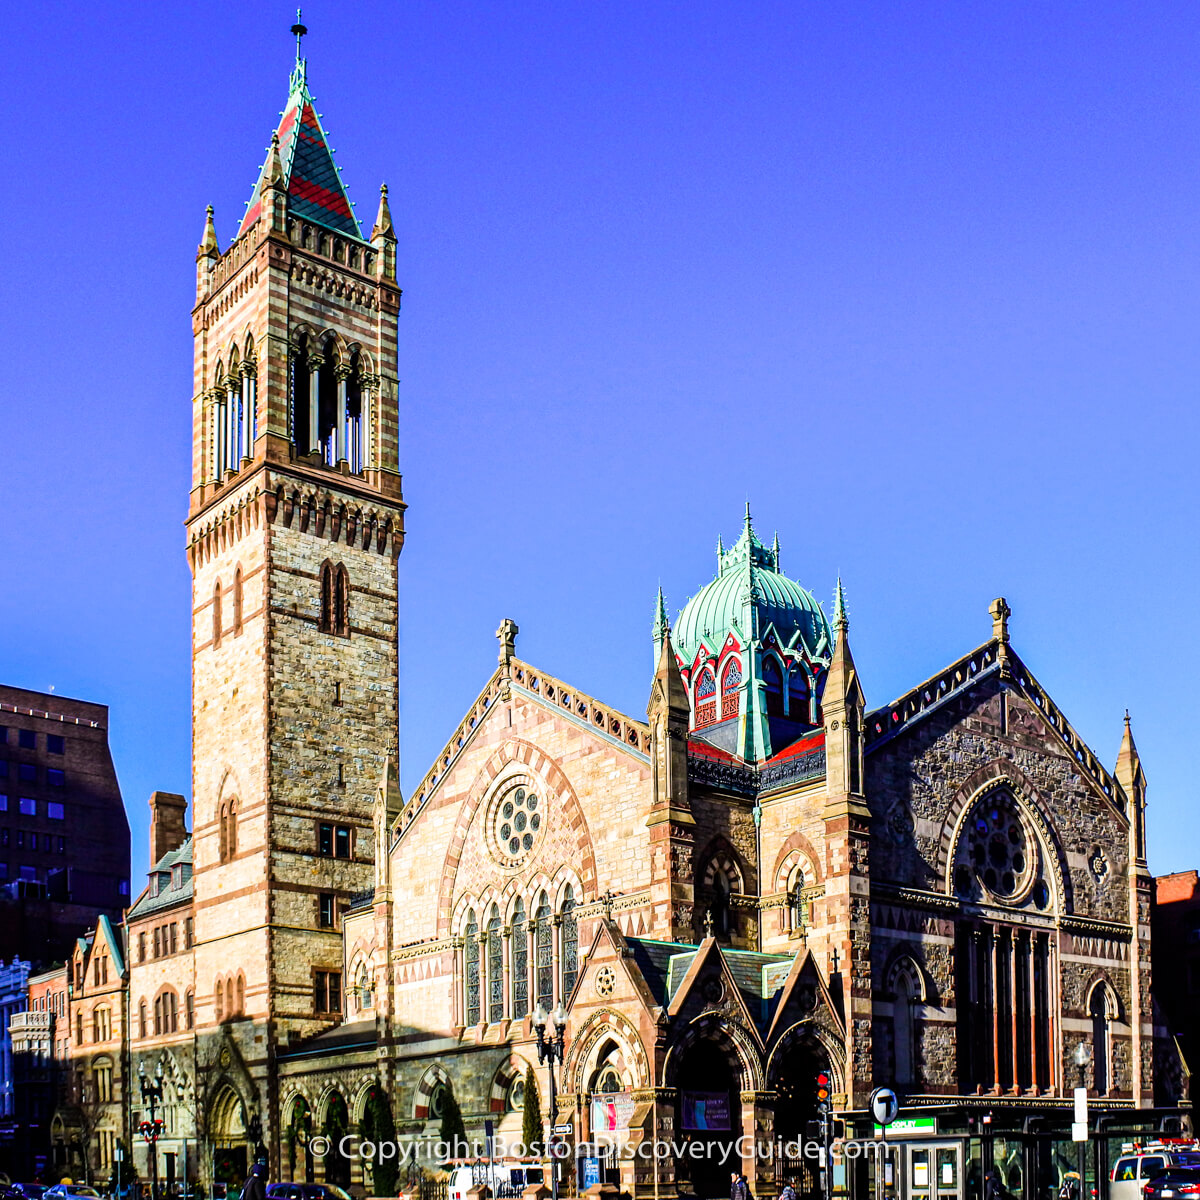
921 281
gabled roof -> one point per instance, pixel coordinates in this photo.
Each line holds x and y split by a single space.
314 187
167 895
105 930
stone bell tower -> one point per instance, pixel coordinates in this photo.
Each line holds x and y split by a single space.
295 523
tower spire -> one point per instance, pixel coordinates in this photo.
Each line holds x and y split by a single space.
840 620
300 71
383 219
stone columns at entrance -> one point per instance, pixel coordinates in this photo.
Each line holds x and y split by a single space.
758 1127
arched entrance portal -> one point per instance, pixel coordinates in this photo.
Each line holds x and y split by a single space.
299 1135
227 1133
794 1081
335 1128
709 1114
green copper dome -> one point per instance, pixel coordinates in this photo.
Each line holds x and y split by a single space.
750 599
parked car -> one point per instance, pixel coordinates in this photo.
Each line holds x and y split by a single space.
504 1179
1174 1181
23 1191
63 1191
1132 1172
305 1191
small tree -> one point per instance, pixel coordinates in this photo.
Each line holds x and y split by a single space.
531 1117
379 1127
453 1132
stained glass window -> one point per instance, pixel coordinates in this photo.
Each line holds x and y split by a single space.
570 944
733 674
520 962
471 959
544 954
495 968
800 704
707 685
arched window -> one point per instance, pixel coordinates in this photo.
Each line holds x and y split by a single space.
230 1010
241 994
237 602
189 1009
341 601
731 680
228 829
325 621
799 696
495 967
720 905
158 1016
706 698
1101 1013
773 681
570 944
906 992
544 954
216 614
519 966
797 902
223 837
219 1000
143 1030
471 969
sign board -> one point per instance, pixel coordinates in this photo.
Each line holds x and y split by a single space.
611 1111
910 1126
591 1172
1081 1106
565 1129
1079 1131
706 1110
884 1106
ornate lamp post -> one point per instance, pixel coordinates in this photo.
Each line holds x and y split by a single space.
551 1044
1082 1057
152 1129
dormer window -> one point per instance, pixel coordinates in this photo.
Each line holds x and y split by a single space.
154 884
177 876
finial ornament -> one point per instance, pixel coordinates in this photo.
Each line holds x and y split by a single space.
301 69
840 620
708 917
1000 612
507 634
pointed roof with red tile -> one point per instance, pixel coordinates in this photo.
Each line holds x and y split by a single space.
314 188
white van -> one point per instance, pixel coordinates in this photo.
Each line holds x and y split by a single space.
505 1179
1131 1172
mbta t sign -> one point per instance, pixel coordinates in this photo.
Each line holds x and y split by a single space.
884 1106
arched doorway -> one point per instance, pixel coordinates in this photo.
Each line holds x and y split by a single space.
227 1133
299 1135
708 1113
793 1078
335 1128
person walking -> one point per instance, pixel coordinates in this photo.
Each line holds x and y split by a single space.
255 1187
739 1189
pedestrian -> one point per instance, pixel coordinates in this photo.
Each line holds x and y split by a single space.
255 1187
739 1189
789 1191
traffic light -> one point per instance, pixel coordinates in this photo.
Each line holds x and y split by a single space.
823 1103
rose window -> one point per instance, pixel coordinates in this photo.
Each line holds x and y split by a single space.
995 851
516 824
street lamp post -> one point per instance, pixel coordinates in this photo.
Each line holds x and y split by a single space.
1082 1058
550 1046
152 1129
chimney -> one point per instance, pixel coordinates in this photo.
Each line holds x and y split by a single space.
167 830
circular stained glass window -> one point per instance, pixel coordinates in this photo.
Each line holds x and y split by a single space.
515 825
997 854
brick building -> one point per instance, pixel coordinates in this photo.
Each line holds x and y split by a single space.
1176 936
64 836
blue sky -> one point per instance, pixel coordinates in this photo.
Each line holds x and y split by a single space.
921 281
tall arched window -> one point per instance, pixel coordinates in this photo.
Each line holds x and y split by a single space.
335 599
189 1009
720 905
544 954
471 969
219 1000
519 966
706 698
799 696
495 967
797 902
905 994
237 602
731 680
1101 1013
570 944
228 829
230 1010
143 1029
773 681
241 994
216 614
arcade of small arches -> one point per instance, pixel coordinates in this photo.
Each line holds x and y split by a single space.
506 966
233 409
328 245
329 401
332 1115
164 1016
229 997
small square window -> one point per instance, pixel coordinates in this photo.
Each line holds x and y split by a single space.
3 735
3 837
325 915
20 839
33 841
28 807
122 886
27 773
62 845
27 739
56 743
3 768
55 811
325 840
3 802
55 777
3 870
28 872
342 845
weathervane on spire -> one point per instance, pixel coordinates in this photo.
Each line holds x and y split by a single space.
299 73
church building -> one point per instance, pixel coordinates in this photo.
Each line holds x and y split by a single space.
762 877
